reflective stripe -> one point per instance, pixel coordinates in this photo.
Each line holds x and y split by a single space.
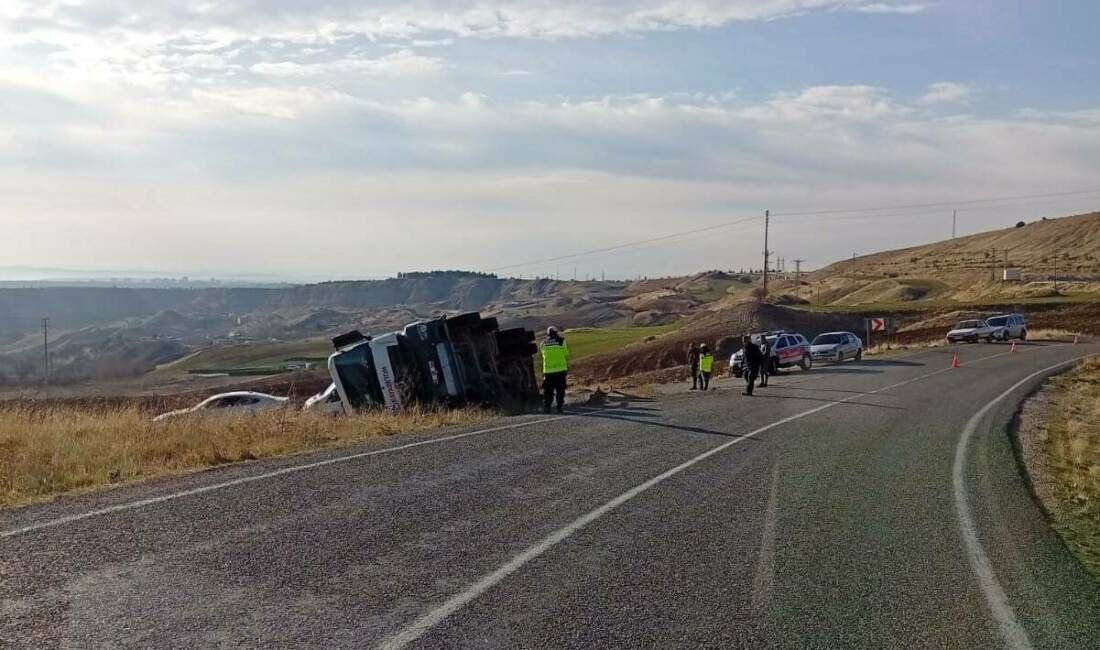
706 363
555 356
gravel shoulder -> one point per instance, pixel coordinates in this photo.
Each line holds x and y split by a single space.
1059 445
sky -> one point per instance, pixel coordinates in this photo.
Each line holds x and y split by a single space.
308 140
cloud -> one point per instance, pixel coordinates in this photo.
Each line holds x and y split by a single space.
902 8
403 63
947 92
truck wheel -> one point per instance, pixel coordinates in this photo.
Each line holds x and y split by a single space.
806 362
464 320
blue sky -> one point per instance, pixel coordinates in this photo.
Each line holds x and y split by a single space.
349 139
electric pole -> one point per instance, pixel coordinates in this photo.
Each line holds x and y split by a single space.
46 351
767 223
798 277
954 221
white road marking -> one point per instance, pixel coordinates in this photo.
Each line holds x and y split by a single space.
429 620
259 477
1014 635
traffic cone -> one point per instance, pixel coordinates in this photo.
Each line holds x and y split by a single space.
1013 349
1076 337
955 361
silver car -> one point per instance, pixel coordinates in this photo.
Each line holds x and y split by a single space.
836 347
238 402
1011 326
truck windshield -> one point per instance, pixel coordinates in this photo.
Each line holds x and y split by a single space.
355 370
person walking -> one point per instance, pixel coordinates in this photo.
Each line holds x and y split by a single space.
555 369
706 366
753 360
693 361
766 363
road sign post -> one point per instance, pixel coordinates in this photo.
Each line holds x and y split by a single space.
877 324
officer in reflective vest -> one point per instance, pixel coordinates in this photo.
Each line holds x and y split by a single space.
555 368
706 366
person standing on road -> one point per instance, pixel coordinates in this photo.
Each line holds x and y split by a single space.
693 361
766 363
555 369
706 366
753 360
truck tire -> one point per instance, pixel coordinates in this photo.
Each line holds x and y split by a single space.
464 320
514 337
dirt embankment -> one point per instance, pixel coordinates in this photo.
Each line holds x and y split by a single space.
721 330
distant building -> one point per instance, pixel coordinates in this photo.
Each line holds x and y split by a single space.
1013 275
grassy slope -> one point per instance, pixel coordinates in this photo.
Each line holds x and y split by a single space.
56 449
589 341
1071 445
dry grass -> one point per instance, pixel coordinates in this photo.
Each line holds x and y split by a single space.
1064 336
1070 441
51 450
884 348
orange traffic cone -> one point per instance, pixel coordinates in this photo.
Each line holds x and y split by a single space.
955 361
1013 349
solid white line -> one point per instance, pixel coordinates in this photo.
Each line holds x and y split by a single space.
1014 635
429 620
259 477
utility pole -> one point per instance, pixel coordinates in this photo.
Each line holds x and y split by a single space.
46 351
1056 253
767 224
798 277
954 221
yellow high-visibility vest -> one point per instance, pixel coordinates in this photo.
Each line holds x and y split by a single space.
555 356
706 362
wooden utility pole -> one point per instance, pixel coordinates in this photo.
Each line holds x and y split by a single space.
798 277
954 222
767 223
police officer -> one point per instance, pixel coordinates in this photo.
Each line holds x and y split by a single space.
753 360
766 364
693 361
555 368
706 366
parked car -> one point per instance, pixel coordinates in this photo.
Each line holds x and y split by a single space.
972 331
327 402
1012 326
787 350
239 402
836 347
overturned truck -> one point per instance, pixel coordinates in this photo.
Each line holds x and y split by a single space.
452 361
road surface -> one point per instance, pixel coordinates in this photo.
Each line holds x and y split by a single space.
870 505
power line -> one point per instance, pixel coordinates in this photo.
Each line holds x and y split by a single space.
940 204
608 249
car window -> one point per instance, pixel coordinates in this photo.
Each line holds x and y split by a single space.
829 339
998 322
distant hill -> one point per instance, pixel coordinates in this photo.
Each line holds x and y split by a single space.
970 268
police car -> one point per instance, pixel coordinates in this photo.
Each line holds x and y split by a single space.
788 349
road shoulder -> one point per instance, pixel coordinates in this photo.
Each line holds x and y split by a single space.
1059 447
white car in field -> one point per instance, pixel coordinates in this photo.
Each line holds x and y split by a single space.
972 331
239 402
327 402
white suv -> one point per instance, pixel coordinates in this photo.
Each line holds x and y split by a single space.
1010 326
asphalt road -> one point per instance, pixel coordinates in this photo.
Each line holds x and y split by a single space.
836 509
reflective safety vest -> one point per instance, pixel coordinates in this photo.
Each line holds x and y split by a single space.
706 363
555 356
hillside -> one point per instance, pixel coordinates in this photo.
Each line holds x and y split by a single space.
969 269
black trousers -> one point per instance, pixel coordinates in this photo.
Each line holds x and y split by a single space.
694 375
751 372
704 380
553 387
764 371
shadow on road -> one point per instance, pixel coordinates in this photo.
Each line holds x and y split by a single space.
828 401
837 370
613 415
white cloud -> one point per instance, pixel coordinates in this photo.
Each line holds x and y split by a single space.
403 63
947 92
902 8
